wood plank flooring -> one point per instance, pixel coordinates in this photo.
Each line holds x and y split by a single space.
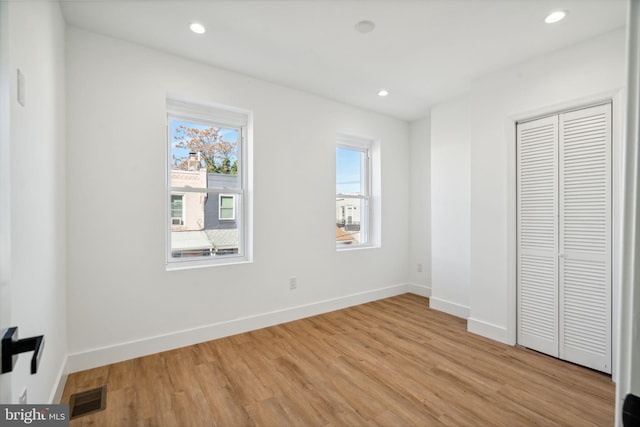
392 362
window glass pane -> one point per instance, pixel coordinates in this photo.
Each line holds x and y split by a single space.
202 234
176 205
226 201
176 210
227 207
204 156
349 171
351 217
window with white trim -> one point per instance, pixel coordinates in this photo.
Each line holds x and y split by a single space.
227 207
177 209
206 185
353 192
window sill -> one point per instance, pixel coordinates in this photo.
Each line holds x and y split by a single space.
190 265
346 248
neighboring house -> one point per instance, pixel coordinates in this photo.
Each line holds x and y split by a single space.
187 209
203 223
347 220
219 211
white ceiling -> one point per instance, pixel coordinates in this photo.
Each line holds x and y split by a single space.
423 52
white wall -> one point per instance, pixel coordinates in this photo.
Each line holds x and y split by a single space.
479 131
450 207
592 70
121 301
35 43
419 207
5 188
634 138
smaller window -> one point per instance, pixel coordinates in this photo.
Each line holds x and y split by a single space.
177 209
227 211
353 192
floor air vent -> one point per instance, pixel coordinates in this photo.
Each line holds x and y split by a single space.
88 402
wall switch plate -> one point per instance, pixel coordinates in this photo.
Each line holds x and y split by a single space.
21 87
22 400
293 283
419 268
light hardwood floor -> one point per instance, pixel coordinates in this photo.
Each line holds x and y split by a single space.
392 362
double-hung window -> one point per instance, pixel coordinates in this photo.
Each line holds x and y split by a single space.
207 183
227 207
177 209
353 192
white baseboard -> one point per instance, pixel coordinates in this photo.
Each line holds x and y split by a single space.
422 290
129 350
488 330
61 381
449 307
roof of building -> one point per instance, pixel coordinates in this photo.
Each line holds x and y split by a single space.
343 236
204 239
223 238
188 240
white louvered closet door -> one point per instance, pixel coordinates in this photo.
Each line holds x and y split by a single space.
564 236
538 235
585 237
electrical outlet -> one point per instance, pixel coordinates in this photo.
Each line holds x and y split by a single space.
419 268
22 400
293 283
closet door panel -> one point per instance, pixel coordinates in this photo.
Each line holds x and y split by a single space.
537 235
585 237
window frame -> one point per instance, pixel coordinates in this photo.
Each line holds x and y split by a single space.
215 115
364 196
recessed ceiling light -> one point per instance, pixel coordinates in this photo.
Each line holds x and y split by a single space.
364 27
383 92
556 16
197 28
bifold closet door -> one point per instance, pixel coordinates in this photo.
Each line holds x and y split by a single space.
585 237
564 236
538 235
